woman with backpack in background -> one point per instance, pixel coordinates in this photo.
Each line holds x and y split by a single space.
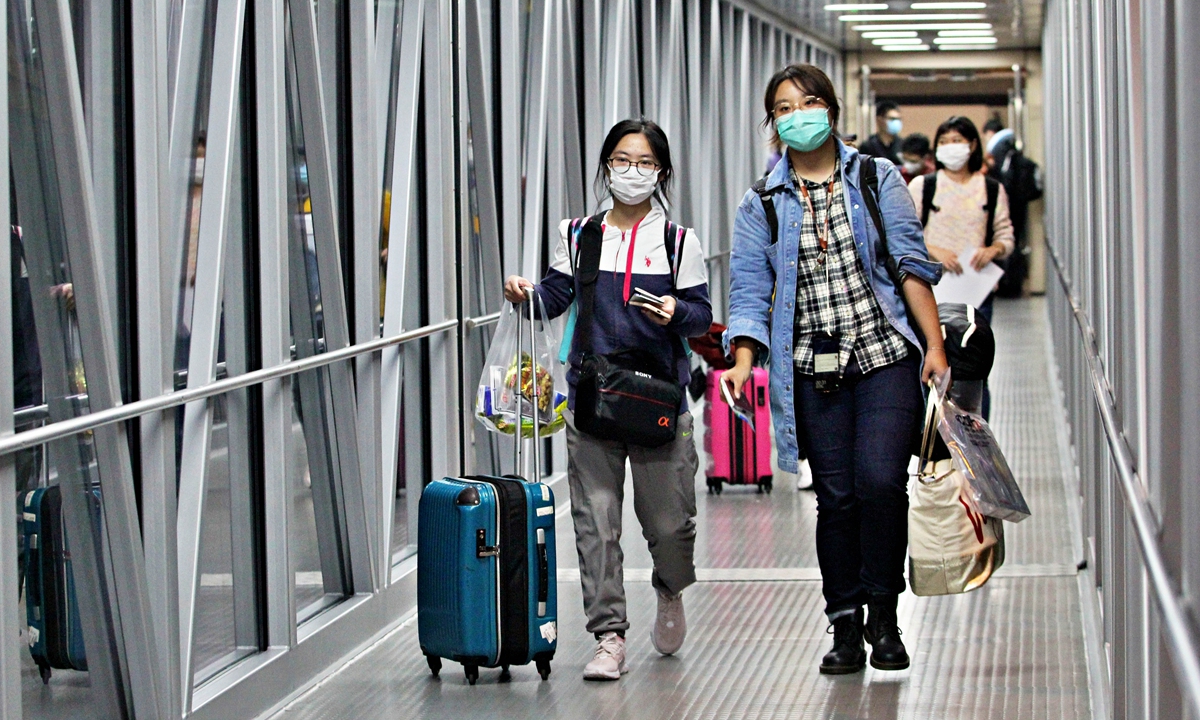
965 213
639 287
830 280
962 209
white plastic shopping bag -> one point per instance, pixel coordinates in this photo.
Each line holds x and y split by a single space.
507 377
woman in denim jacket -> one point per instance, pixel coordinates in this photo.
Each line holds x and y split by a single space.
845 349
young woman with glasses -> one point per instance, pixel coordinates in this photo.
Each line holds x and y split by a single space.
634 169
844 340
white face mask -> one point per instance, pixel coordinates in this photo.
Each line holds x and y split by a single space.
631 187
954 155
913 168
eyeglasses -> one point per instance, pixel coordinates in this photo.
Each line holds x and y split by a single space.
621 166
810 102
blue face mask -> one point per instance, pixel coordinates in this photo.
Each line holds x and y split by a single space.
894 126
804 130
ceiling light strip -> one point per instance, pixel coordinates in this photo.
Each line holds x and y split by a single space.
905 48
898 41
930 17
932 26
896 34
964 41
948 6
966 47
851 7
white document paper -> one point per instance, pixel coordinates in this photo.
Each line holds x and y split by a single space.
970 287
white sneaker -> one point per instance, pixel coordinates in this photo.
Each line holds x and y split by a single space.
804 479
609 661
670 625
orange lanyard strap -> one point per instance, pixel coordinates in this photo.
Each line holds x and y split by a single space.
823 239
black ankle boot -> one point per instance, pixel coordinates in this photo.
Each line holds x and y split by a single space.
882 631
848 654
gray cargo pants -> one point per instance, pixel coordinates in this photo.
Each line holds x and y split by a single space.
664 498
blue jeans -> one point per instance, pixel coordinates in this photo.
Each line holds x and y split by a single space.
858 440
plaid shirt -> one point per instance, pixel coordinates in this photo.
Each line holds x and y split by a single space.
835 297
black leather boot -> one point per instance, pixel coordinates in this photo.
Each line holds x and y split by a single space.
882 631
848 654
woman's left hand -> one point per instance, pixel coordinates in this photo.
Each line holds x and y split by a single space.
935 364
985 255
668 307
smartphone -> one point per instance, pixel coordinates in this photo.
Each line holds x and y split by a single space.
652 308
641 297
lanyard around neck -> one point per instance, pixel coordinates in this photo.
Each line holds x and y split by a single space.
822 238
628 254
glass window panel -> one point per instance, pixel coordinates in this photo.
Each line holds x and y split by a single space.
50 366
318 535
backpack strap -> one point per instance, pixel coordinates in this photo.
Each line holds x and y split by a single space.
673 237
993 196
928 191
573 241
868 180
768 205
590 239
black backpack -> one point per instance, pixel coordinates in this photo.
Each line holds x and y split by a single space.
1021 177
929 189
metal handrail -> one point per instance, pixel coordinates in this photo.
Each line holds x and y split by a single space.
482 320
1180 643
119 413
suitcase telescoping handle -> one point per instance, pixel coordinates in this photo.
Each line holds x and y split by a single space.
530 298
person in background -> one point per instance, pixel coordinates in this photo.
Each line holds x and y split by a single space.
988 131
27 373
886 142
816 303
916 156
1022 181
956 230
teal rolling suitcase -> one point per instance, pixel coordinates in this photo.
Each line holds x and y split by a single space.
486 581
55 631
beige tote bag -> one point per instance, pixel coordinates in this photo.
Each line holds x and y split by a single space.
952 548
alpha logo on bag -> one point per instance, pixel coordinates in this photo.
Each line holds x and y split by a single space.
976 519
664 421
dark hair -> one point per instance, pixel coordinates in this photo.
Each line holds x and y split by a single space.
658 145
993 125
812 80
963 126
883 107
915 144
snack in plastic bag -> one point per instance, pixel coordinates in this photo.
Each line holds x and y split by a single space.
499 393
977 456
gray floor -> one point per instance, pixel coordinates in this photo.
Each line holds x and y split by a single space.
1013 649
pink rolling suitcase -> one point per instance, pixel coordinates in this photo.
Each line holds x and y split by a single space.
736 454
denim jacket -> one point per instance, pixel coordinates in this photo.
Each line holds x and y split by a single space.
762 277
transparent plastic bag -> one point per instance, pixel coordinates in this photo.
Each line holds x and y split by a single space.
977 456
496 402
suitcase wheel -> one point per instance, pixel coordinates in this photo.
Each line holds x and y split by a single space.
472 673
543 668
435 664
45 673
505 675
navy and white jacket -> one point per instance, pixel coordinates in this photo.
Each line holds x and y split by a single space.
631 259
